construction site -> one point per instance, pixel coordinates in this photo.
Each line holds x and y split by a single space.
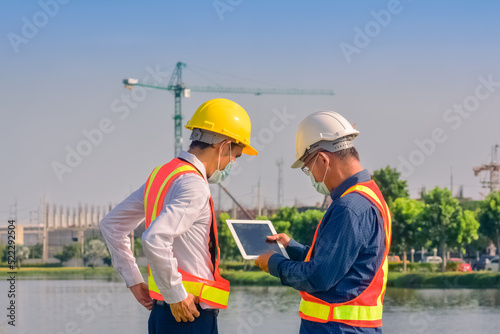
248 167
54 226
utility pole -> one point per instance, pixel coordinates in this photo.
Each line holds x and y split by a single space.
461 193
259 206
234 213
54 216
82 240
45 244
451 181
422 193
281 191
13 210
35 213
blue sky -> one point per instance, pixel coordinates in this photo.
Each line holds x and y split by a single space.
66 77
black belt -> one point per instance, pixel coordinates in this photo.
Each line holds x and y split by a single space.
163 303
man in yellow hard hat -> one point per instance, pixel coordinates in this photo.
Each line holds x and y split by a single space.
185 289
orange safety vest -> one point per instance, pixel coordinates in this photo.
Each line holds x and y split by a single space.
365 310
214 293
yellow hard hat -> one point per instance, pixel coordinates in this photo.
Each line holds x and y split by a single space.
225 117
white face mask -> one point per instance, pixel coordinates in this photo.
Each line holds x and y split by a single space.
220 175
319 186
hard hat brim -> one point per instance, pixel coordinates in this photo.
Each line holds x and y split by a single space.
297 164
250 150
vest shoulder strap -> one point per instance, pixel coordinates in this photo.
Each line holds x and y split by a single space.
160 181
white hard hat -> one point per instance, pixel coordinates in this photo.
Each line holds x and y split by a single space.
322 129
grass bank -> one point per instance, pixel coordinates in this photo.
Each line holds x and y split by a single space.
236 277
59 272
448 280
257 278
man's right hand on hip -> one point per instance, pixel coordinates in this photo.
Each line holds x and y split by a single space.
185 310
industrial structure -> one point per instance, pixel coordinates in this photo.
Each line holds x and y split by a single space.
492 169
55 226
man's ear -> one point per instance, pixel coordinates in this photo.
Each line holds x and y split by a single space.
217 145
325 157
228 147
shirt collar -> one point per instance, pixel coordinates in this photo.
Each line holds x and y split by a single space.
359 177
192 159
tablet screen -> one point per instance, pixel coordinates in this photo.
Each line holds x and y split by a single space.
253 238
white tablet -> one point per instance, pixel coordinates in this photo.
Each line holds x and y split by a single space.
251 236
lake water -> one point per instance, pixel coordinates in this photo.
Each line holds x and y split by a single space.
99 306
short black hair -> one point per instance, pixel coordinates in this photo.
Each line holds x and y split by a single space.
199 144
347 153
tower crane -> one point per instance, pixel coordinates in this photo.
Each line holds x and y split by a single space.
180 89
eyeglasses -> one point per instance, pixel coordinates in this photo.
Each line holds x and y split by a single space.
306 169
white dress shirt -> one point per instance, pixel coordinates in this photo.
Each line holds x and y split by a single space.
177 239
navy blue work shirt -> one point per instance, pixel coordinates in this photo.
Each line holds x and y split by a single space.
348 251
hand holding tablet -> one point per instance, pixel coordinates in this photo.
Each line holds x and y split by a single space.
281 238
251 236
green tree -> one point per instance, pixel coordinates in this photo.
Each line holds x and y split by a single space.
282 226
96 249
36 251
478 245
288 214
303 225
228 248
489 217
68 252
22 253
471 205
137 247
3 252
445 223
469 227
390 184
406 227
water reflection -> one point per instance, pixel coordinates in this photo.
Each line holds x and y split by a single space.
415 299
103 305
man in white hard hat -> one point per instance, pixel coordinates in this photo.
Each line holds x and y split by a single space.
185 289
342 275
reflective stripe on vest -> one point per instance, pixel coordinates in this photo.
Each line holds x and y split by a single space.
366 309
214 293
